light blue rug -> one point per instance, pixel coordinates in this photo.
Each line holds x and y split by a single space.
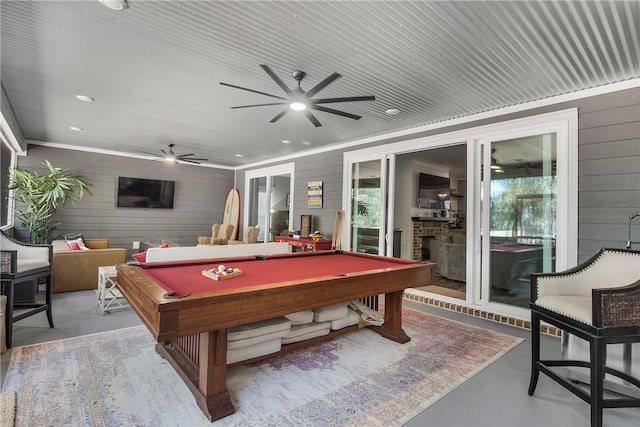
117 379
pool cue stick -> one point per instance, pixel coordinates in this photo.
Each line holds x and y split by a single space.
335 233
340 223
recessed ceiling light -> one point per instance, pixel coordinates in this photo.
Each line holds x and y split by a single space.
392 111
239 155
115 4
306 143
286 141
76 128
85 98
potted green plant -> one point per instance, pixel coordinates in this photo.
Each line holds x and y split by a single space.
40 195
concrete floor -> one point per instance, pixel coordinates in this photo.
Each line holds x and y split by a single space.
497 396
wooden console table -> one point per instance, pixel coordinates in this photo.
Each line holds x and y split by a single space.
305 243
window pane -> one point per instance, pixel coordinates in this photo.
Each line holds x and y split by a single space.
523 215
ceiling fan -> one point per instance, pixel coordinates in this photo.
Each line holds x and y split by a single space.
299 100
170 156
530 168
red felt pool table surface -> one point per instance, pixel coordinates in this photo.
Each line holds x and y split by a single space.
181 278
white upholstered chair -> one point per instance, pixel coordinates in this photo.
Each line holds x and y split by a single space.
598 301
21 266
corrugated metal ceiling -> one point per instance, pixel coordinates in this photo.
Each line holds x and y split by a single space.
154 68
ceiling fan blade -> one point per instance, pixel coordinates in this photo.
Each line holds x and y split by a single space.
345 99
189 161
312 118
277 79
192 158
258 105
338 112
279 116
185 155
164 152
326 82
147 153
252 90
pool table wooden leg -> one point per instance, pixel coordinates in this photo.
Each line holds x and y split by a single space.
392 328
212 382
206 378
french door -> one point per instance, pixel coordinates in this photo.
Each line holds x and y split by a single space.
268 200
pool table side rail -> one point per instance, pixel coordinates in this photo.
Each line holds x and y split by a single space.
146 299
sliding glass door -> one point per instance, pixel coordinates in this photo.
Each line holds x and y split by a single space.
517 203
521 215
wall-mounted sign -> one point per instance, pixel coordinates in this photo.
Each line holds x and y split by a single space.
314 194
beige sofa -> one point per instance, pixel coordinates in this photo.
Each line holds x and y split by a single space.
449 252
78 270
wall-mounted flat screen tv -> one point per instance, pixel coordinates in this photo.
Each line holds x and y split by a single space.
145 193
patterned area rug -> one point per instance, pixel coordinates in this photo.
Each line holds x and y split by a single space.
116 379
7 408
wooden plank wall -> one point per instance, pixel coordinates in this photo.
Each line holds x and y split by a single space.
608 171
200 194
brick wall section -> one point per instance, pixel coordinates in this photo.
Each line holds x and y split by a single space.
425 229
499 318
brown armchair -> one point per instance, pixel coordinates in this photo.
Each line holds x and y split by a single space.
220 235
250 235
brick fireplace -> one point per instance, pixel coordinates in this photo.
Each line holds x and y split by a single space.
423 230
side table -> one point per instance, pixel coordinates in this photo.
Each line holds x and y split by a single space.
305 244
109 296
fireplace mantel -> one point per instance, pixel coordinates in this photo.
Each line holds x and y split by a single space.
432 219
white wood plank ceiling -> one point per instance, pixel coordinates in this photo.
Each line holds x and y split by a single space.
154 68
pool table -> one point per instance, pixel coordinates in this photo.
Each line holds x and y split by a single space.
511 262
188 314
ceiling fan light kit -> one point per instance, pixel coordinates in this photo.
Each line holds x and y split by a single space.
171 157
297 106
115 4
299 100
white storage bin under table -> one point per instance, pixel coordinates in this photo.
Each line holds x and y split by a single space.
109 296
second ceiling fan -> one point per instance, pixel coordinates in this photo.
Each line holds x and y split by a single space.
172 157
299 100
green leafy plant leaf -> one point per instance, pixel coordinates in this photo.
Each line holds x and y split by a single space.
40 195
